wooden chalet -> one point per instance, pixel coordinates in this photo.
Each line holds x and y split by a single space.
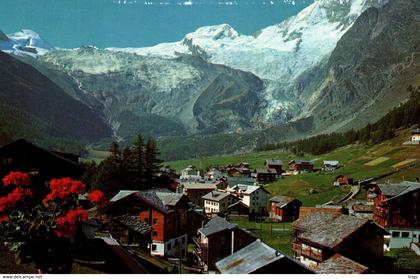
342 180
218 239
284 208
44 165
274 164
299 166
166 212
259 258
397 209
320 235
334 209
330 165
265 175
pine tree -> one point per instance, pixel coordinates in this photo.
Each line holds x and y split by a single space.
153 163
138 163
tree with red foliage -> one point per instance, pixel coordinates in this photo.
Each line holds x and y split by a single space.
43 230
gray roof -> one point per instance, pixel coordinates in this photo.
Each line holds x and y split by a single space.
415 130
328 229
302 162
274 162
332 163
233 180
133 223
281 200
249 259
398 189
248 189
216 224
122 194
162 198
200 185
216 196
339 264
270 170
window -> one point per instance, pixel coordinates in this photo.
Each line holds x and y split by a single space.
395 234
153 247
155 221
405 234
183 239
169 246
155 233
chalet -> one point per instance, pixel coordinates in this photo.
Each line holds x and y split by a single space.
338 264
284 209
342 180
166 212
24 156
259 258
196 190
397 209
265 175
330 165
244 165
321 235
372 191
213 175
217 202
255 197
274 164
415 134
218 239
237 209
298 166
362 210
130 231
190 173
238 171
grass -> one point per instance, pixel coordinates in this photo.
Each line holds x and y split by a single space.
406 261
277 235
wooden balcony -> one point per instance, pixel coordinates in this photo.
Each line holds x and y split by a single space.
196 240
313 255
297 248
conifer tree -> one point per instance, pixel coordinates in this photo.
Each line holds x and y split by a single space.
138 163
153 163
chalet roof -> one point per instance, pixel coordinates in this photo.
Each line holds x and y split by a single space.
328 229
331 163
122 194
268 171
248 259
395 190
216 196
161 198
133 223
282 200
238 203
362 208
339 264
301 162
415 131
255 256
248 189
192 185
216 224
274 162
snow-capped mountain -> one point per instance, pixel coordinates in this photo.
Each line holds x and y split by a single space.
279 52
24 42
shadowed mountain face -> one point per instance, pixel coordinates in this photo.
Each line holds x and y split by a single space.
32 101
369 70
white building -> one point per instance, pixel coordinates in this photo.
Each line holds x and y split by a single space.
255 197
191 174
217 202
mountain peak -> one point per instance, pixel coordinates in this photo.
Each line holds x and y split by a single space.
215 32
3 37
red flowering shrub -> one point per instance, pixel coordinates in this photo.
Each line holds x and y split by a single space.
17 178
98 197
13 198
66 226
63 188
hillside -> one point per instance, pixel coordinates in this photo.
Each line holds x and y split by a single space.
353 157
34 107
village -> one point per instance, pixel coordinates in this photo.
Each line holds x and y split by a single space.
226 219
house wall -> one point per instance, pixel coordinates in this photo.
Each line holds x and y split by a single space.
288 213
211 207
403 237
195 195
415 137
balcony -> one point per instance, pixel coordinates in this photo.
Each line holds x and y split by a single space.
197 241
197 251
311 254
